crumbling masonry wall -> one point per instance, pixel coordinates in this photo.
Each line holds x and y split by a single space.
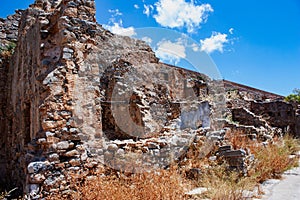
8 36
37 109
57 83
74 95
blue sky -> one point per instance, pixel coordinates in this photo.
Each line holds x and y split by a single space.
252 42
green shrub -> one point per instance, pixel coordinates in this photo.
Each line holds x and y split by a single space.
294 97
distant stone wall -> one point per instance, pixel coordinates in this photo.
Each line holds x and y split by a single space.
76 96
247 92
256 108
278 114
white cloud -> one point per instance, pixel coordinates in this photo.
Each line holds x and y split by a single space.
147 40
117 28
136 6
148 9
115 12
195 47
214 43
169 51
231 30
179 13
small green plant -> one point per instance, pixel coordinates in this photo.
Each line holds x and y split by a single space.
8 49
11 47
295 97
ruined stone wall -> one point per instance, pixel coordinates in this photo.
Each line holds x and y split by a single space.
77 97
40 78
249 93
260 112
8 37
278 114
63 72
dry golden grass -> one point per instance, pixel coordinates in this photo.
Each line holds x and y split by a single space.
274 159
162 184
224 184
239 140
270 160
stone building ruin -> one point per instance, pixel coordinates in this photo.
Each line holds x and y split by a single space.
69 83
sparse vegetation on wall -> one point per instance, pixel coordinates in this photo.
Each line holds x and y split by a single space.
8 49
295 97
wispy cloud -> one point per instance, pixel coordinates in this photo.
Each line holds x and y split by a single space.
136 6
214 43
179 13
195 47
116 26
148 40
170 51
148 9
115 12
231 30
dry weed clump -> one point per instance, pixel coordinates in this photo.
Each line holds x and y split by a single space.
161 184
223 184
271 160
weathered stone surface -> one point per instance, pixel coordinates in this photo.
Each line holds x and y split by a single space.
71 86
235 158
33 191
278 114
245 117
35 167
63 145
36 178
72 153
53 157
